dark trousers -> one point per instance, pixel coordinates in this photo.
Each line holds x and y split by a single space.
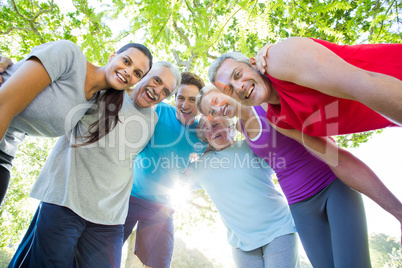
57 237
5 167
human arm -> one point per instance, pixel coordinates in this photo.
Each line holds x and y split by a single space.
350 170
4 64
307 63
20 90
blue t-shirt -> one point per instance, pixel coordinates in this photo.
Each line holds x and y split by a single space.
164 158
238 183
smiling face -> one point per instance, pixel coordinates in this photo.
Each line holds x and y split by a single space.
218 133
215 103
242 82
126 68
185 103
158 84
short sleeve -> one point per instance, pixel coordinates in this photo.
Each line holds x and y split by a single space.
59 57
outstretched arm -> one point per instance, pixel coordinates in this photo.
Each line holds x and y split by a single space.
350 170
4 64
20 90
304 62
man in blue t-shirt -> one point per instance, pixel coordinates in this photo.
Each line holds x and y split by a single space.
155 170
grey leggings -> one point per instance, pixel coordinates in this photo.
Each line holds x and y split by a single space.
332 227
282 252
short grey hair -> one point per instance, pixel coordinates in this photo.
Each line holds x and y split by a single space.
213 68
203 92
175 71
229 122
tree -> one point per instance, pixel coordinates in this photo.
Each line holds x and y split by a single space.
189 33
395 259
28 23
192 33
382 250
17 209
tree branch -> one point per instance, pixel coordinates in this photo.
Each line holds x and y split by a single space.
164 25
30 21
377 6
188 63
189 7
211 56
181 34
31 157
15 28
382 22
223 27
43 11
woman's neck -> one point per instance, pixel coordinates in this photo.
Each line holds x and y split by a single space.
95 80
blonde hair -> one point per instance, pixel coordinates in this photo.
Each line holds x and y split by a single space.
203 92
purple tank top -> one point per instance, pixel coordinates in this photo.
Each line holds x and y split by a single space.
301 175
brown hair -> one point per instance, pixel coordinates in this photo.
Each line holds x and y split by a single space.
112 102
188 78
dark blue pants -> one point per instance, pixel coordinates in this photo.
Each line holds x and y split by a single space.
57 237
5 167
332 227
155 232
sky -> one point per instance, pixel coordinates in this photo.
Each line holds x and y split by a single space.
382 153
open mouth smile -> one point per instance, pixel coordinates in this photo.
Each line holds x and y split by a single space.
186 113
216 136
151 94
124 80
249 91
225 110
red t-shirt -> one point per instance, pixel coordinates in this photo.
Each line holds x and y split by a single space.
318 114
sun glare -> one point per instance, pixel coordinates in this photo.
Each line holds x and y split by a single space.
180 195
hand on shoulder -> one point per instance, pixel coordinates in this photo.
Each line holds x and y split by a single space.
4 64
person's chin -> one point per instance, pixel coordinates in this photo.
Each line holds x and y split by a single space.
246 102
254 100
142 104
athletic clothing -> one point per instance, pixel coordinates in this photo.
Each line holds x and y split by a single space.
322 206
317 114
281 252
164 157
332 227
154 233
56 110
238 183
90 186
80 244
155 170
59 107
286 157
5 167
95 180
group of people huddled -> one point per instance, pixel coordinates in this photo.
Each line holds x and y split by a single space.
121 149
